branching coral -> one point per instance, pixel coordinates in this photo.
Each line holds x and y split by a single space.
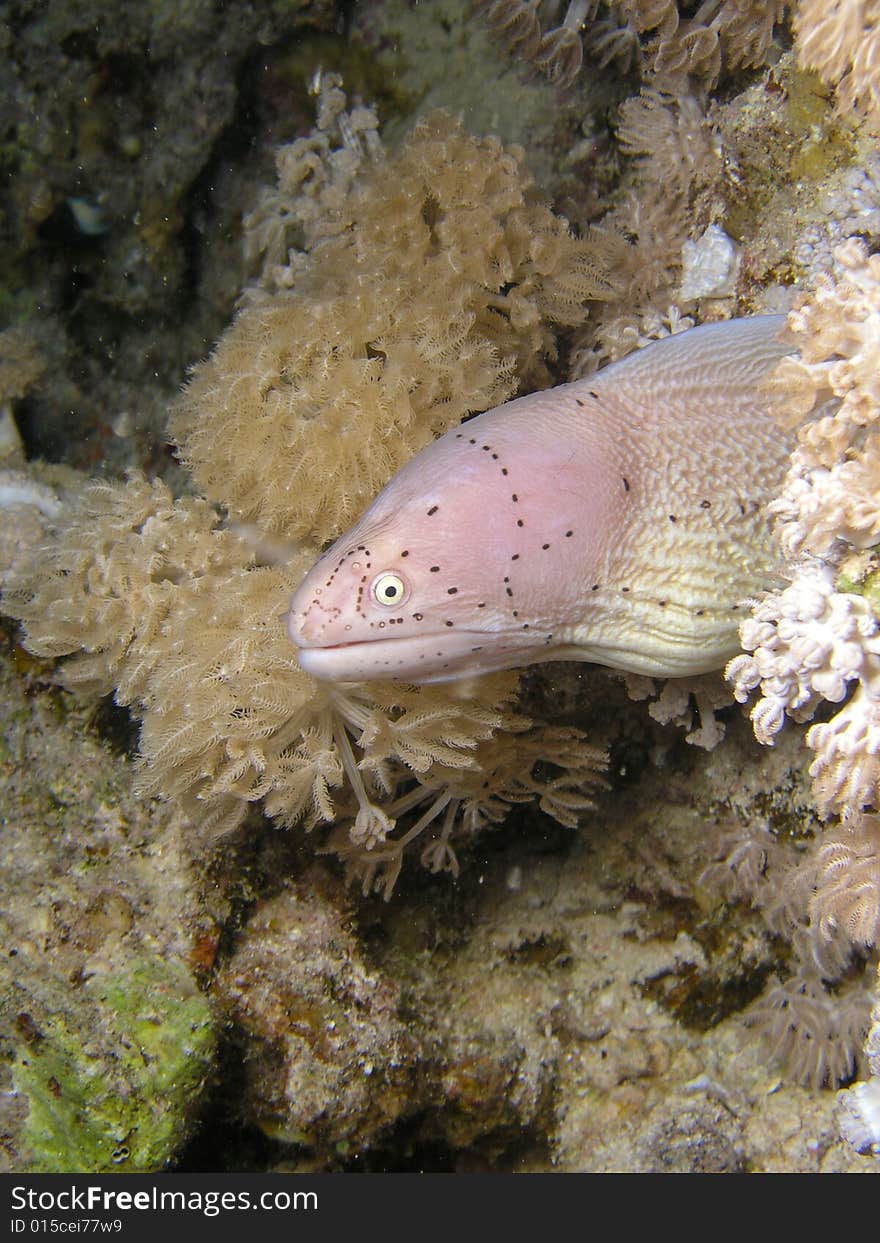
807 643
811 641
830 499
430 302
816 642
688 702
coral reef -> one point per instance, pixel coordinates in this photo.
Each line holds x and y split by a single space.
829 500
21 364
842 42
90 1108
311 199
807 643
672 48
572 1001
816 642
309 403
683 52
570 1005
442 56
78 128
677 174
30 496
312 401
107 1038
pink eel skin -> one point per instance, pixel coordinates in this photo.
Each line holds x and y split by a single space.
619 519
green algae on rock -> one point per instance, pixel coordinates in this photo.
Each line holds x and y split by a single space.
120 1106
106 1039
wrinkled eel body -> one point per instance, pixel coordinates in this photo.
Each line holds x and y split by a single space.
619 519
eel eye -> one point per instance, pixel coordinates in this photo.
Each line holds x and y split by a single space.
389 589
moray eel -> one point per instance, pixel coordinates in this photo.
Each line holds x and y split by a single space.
619 519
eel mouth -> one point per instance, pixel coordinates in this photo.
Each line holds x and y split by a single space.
419 658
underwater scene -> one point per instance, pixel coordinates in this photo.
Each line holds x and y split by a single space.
440 586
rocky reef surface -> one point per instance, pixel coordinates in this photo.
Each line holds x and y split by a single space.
108 1038
574 1001
656 988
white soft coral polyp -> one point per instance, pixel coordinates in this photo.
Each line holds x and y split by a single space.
806 644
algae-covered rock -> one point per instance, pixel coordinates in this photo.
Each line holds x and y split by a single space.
110 1082
106 1040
